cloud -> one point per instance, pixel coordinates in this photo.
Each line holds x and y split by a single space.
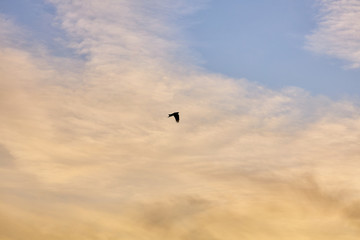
94 156
337 33
9 31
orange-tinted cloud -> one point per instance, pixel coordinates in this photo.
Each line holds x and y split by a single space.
89 153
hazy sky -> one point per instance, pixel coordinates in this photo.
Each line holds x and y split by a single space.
268 145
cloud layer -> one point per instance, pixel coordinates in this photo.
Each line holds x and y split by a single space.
87 151
338 29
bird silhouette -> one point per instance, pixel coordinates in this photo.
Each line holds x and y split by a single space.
175 115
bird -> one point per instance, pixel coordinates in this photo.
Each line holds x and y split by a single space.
175 115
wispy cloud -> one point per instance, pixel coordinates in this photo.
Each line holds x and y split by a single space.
338 31
88 152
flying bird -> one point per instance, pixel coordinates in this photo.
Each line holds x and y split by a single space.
175 115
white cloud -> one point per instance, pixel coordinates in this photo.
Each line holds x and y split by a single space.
338 31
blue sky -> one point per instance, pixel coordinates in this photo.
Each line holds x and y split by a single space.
261 41
264 41
38 19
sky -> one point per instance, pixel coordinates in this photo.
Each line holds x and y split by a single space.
268 143
290 41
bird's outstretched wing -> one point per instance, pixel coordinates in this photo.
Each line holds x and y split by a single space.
175 115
